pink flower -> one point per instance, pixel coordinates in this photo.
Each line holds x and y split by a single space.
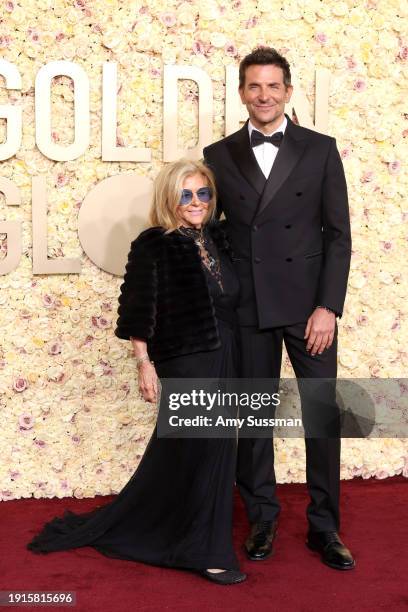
387 246
55 348
381 474
62 179
125 387
362 320
14 474
394 167
26 421
5 42
168 19
345 153
367 177
251 22
403 52
359 85
48 301
59 36
321 38
25 314
101 322
198 47
76 439
230 49
107 368
40 443
20 384
9 6
351 63
60 379
33 35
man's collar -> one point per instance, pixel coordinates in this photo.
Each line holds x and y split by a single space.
281 128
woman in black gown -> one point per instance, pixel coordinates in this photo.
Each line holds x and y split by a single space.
177 305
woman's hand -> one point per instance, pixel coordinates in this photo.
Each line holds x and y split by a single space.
148 381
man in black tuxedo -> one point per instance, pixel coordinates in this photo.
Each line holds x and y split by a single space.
283 191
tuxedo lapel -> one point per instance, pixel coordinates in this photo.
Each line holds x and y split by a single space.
290 151
241 152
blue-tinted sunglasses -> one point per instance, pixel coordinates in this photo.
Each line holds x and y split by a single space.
204 194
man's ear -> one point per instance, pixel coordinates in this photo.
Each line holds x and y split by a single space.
241 93
289 91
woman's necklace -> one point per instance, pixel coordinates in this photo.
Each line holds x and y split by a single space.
211 263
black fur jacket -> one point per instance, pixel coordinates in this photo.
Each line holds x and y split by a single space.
164 298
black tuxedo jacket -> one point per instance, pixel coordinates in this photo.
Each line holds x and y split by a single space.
290 234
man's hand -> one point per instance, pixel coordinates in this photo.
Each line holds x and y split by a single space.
320 330
148 381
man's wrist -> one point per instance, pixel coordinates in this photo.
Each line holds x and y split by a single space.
328 309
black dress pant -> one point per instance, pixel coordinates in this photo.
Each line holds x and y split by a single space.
261 354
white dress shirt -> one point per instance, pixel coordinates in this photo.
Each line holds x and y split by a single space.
266 152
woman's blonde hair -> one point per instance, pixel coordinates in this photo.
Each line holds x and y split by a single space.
167 192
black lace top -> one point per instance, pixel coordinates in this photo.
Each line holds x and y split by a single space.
208 251
222 280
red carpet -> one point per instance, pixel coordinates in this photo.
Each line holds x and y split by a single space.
374 526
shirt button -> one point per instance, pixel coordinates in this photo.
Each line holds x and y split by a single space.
289 259
257 260
254 228
288 226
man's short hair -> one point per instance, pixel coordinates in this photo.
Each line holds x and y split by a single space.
264 56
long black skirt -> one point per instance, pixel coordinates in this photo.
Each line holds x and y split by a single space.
176 509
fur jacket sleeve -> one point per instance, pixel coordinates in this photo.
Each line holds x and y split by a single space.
164 298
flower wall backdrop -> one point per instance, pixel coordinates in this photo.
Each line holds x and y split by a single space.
72 423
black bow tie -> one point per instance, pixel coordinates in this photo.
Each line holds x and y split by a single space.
258 138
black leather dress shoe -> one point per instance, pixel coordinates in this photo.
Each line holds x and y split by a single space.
331 548
258 545
225 577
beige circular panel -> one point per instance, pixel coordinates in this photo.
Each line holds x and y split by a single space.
112 214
